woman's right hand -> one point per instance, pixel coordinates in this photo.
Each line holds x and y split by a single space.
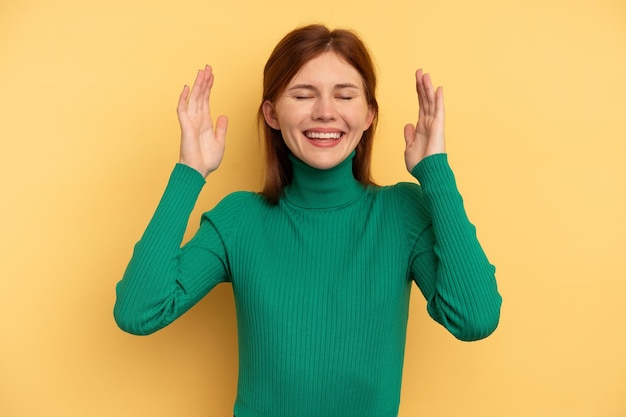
201 144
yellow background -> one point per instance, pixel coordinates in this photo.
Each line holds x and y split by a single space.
535 98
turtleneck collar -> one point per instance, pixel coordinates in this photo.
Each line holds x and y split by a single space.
322 188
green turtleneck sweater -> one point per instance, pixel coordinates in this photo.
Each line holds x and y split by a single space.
321 282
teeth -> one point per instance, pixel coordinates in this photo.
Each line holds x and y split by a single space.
319 135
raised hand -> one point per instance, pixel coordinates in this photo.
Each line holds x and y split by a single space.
426 137
201 144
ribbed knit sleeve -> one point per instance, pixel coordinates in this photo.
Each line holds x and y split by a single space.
450 266
162 281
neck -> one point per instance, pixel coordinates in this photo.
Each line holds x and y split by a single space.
322 188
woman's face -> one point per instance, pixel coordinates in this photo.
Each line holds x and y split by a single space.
323 112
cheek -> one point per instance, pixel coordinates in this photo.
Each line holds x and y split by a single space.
359 114
287 120
361 119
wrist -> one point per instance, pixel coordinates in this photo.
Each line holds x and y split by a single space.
204 172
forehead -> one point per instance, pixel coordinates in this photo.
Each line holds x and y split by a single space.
327 68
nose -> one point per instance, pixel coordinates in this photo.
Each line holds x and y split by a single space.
324 109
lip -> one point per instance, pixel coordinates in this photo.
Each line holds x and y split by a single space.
324 130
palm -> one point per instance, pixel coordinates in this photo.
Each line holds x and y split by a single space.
426 137
202 144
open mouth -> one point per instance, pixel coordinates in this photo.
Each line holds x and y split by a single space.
323 136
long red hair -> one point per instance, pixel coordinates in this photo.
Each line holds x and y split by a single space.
292 52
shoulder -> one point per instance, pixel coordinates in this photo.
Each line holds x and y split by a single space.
403 196
236 204
236 210
241 197
404 203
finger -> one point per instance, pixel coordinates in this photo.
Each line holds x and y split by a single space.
195 96
206 93
208 72
182 100
221 126
409 134
421 93
202 91
430 93
418 76
207 82
439 106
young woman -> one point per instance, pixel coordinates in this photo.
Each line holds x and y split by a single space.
322 261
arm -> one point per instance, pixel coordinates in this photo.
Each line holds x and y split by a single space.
449 266
162 281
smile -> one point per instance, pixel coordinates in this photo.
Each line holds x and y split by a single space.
323 136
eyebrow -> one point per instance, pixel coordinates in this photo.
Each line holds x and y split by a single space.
312 87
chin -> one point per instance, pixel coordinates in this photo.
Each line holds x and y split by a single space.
324 163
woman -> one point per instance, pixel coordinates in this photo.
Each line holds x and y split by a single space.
321 262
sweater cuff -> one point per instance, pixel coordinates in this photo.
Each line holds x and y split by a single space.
183 189
434 171
177 202
187 179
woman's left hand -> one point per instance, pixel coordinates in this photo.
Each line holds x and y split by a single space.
426 137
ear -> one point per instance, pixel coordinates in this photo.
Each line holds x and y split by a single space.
269 113
370 117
